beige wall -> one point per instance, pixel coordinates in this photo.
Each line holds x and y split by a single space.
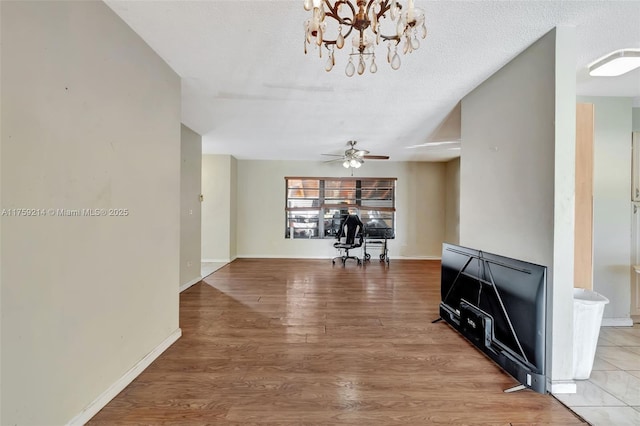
190 217
216 207
1 286
452 201
420 204
233 206
84 103
516 177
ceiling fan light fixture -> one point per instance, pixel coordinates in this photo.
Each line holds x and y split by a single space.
615 63
354 158
361 19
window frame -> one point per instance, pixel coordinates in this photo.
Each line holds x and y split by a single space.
313 217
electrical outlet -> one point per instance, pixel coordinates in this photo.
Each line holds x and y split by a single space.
190 211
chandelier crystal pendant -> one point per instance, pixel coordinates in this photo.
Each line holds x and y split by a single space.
364 23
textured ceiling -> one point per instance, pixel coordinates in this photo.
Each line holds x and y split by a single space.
248 88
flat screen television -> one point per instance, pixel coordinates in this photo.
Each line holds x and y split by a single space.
498 304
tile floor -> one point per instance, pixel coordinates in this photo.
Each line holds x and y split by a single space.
611 396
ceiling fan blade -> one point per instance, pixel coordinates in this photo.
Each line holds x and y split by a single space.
335 160
435 144
334 155
376 157
361 152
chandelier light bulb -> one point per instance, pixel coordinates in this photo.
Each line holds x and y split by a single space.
415 43
340 39
345 164
395 61
330 63
361 66
373 68
351 69
363 21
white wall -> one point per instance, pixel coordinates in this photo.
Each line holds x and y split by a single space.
636 119
452 201
190 217
612 205
516 177
420 205
84 103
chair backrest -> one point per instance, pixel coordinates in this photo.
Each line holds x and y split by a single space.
351 230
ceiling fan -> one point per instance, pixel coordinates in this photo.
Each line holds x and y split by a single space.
354 157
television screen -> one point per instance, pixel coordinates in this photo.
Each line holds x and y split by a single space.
499 304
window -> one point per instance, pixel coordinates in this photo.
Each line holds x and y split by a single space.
316 206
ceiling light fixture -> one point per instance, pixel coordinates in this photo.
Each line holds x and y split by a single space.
615 63
353 158
353 162
365 20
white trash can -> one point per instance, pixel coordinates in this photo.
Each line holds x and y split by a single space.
588 307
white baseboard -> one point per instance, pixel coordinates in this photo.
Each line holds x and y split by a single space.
256 256
98 404
216 260
416 257
185 286
617 322
563 386
271 256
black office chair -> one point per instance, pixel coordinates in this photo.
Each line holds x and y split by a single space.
350 236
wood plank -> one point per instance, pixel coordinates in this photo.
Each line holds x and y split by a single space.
583 243
295 342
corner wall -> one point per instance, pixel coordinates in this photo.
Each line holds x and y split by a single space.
218 208
233 206
516 177
452 201
190 215
1 225
84 298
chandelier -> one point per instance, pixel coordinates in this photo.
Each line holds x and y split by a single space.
364 20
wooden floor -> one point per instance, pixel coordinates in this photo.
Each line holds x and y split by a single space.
287 342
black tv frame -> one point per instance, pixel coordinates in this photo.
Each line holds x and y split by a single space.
477 320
